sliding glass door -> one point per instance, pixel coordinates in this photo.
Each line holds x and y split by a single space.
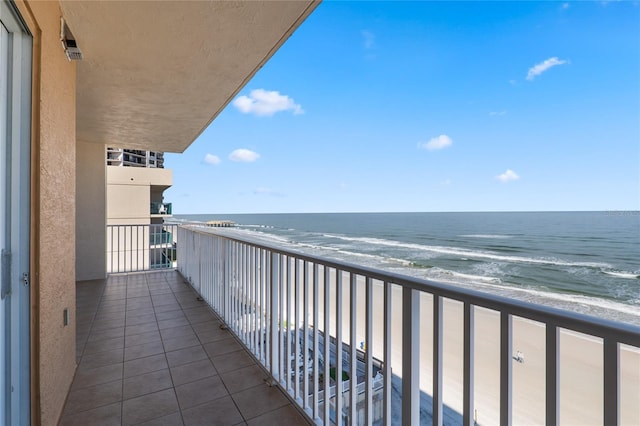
15 140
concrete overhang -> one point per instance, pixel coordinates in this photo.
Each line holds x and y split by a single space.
156 73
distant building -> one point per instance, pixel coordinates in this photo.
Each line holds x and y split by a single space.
134 158
135 201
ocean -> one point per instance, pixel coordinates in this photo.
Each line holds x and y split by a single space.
588 262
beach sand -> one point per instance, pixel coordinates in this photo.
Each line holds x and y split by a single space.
581 382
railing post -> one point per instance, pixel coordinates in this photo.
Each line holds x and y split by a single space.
368 379
353 360
468 365
506 363
387 355
611 381
437 361
225 282
274 324
552 376
410 357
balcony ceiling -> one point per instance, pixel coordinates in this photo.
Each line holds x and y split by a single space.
155 74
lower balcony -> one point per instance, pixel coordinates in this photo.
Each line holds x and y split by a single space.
150 351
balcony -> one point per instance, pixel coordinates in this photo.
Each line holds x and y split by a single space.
163 209
149 350
410 351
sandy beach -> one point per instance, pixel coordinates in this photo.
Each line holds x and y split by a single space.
581 382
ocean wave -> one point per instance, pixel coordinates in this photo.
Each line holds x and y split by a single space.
461 252
377 258
489 236
623 274
439 273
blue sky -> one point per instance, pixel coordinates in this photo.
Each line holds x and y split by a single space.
431 106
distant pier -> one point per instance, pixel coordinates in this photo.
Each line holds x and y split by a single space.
221 223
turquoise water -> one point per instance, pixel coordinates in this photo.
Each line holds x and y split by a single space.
583 261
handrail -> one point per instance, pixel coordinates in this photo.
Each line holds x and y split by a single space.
260 290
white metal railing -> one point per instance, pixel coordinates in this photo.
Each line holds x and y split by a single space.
274 301
134 248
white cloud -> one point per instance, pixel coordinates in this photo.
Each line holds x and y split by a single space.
439 142
498 113
369 39
244 156
508 176
266 103
212 159
565 6
267 191
543 66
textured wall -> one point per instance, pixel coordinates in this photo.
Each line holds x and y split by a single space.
54 182
90 211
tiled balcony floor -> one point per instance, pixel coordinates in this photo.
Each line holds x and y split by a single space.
150 353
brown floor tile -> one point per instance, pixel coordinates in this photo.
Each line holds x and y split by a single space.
106 334
232 361
146 383
177 313
145 365
104 325
101 359
141 328
108 415
169 307
186 356
143 351
181 342
149 407
174 419
172 323
104 345
140 319
93 397
243 378
163 299
221 347
201 391
286 415
221 411
212 334
174 332
191 372
259 400
95 376
140 339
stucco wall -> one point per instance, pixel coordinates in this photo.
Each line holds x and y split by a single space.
53 204
90 211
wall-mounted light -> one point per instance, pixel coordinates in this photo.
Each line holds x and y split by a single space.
69 44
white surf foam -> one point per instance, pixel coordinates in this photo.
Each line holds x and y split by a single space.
488 236
623 274
461 252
